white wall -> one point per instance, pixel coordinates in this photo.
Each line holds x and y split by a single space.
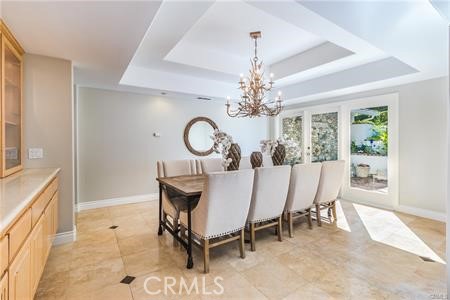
117 153
48 124
423 117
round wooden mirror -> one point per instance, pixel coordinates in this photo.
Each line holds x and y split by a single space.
197 136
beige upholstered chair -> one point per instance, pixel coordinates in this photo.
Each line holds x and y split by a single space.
270 189
330 183
209 165
302 192
245 163
171 206
267 161
222 211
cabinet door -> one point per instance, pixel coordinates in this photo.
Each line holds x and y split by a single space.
20 275
4 287
11 109
55 213
37 241
48 228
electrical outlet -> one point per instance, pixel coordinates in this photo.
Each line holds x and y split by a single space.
35 153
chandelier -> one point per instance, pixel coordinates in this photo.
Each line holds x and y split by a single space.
253 101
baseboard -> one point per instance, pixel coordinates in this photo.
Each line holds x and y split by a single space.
424 213
65 237
116 201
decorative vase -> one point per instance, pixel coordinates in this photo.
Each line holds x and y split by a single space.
235 154
279 155
256 159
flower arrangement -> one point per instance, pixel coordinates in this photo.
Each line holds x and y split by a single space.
269 146
222 143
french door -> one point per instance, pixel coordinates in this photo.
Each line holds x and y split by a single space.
311 135
363 132
370 132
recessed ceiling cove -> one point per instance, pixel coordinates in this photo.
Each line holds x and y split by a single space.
316 49
311 52
219 40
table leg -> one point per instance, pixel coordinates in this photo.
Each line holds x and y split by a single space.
190 262
160 228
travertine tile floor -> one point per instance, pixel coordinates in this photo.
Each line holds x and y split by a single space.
363 256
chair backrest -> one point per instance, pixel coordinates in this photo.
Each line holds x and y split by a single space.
245 163
330 181
224 204
210 165
270 189
303 186
169 168
267 160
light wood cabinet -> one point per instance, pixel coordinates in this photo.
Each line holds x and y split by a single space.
20 275
18 233
38 254
38 207
11 103
4 287
25 245
50 221
4 255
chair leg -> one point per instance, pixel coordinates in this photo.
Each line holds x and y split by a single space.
206 256
309 218
319 220
280 228
252 237
175 230
291 225
164 219
241 243
333 208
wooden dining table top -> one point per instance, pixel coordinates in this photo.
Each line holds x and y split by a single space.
186 185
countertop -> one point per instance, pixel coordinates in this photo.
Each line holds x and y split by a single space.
17 191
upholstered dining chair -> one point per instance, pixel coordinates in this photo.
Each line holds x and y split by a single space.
172 205
221 213
330 184
209 165
245 163
302 192
270 188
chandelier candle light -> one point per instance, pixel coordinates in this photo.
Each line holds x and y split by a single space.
254 89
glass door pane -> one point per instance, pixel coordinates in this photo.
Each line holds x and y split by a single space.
13 109
369 149
292 135
324 137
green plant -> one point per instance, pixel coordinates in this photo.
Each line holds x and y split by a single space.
381 119
353 147
380 134
361 119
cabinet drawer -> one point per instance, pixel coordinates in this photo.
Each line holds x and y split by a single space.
4 253
19 233
38 207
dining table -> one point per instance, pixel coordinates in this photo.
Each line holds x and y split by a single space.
189 188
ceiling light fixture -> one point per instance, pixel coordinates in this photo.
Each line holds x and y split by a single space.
254 89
